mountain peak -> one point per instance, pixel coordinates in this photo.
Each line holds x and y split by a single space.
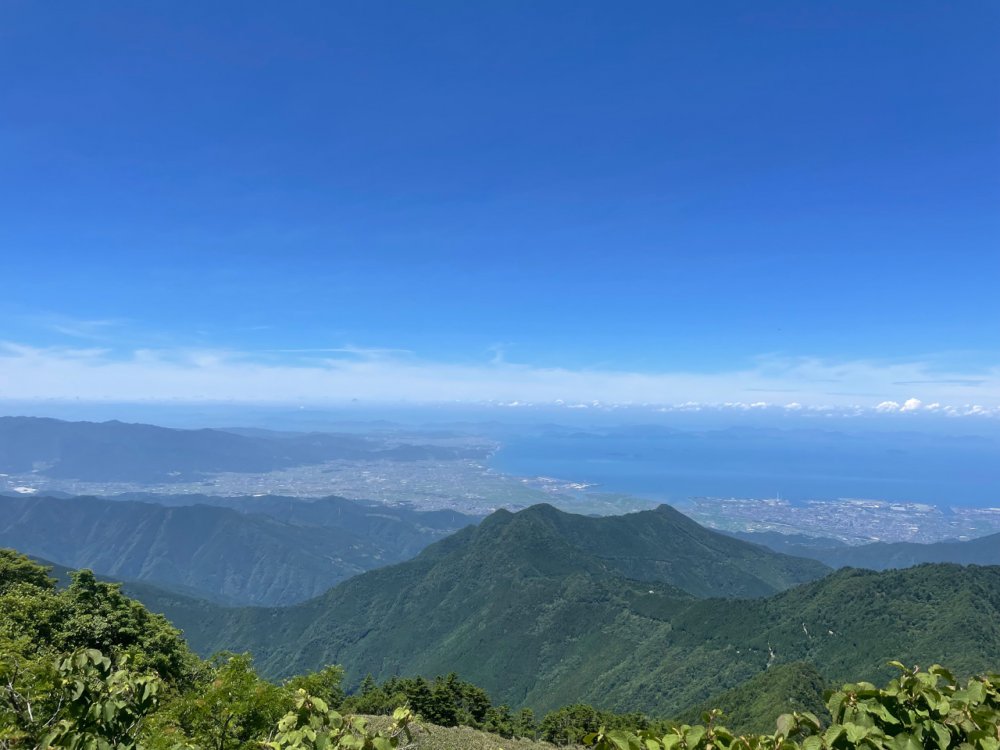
662 545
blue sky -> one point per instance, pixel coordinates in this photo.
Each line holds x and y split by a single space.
779 203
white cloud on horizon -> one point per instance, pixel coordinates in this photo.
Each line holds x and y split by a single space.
30 373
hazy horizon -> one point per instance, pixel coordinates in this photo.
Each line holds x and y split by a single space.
552 205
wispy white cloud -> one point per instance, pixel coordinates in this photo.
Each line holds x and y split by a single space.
369 352
77 328
387 375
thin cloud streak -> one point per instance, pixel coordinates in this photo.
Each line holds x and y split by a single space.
83 329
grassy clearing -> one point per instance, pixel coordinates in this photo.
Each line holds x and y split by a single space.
432 737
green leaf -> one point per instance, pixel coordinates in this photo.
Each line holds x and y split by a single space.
620 739
810 720
942 735
786 724
940 671
693 736
835 702
976 691
856 733
904 742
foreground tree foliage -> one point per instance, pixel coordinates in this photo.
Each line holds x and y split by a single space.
89 669
81 701
570 725
312 724
446 702
39 621
917 711
226 706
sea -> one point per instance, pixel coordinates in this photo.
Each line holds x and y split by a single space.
798 465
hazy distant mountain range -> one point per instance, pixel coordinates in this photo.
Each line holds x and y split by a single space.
880 555
296 551
116 451
398 528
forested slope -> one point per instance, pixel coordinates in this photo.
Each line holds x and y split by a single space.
881 555
85 666
878 555
550 641
756 704
245 557
400 530
666 545
515 607
159 592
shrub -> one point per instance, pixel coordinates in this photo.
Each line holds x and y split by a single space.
917 711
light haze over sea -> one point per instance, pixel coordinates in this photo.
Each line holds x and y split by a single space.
797 465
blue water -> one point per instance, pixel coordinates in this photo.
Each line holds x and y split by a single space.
797 464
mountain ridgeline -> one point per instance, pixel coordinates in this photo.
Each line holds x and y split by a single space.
543 608
881 555
647 612
277 551
120 452
399 529
66 684
535 607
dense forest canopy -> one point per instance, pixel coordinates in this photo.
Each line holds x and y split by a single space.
537 609
86 666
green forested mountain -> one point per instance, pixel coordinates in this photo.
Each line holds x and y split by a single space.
534 608
159 592
546 638
664 545
878 555
396 528
248 558
787 544
85 666
881 555
756 704
750 707
514 602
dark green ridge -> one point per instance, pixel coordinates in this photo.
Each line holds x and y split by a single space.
514 607
159 592
517 607
249 558
265 550
547 642
882 555
755 706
